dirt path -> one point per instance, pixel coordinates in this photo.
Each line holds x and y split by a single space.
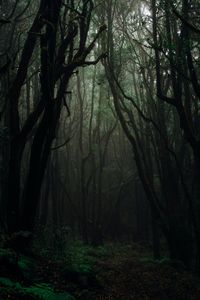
125 277
116 273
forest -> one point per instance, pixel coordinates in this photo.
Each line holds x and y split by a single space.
100 149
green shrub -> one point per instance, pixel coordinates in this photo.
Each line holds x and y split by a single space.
38 291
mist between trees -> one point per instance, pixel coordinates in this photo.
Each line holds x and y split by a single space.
100 121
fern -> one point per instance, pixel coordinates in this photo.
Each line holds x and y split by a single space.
38 291
45 292
27 267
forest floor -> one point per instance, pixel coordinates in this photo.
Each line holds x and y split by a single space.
110 272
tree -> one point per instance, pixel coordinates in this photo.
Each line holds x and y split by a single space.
63 49
143 119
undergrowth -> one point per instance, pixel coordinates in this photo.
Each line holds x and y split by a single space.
38 291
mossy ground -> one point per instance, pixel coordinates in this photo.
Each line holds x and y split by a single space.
113 271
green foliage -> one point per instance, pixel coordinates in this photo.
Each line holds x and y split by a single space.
163 262
4 252
27 266
177 264
147 260
38 291
8 255
6 282
78 258
23 264
45 292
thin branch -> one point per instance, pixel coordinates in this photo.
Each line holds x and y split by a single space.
189 25
62 145
94 62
